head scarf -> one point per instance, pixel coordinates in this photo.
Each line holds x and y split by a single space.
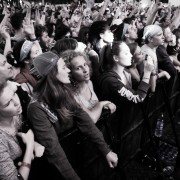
25 49
150 31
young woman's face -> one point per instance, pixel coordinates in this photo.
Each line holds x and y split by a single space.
80 69
125 56
138 55
35 50
63 72
107 36
9 101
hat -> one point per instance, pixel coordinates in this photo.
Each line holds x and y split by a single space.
44 63
151 30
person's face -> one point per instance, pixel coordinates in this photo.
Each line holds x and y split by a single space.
87 21
80 69
138 55
158 39
168 35
63 72
166 22
108 14
6 70
162 13
144 21
132 32
35 51
125 56
45 38
9 101
107 36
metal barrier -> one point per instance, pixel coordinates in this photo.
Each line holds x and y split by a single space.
126 135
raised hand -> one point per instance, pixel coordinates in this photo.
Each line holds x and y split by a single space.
4 32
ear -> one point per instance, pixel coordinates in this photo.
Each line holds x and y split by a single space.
126 35
115 58
101 35
150 39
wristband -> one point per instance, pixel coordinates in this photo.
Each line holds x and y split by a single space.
26 164
34 39
153 74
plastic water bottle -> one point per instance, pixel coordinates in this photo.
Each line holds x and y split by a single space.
159 126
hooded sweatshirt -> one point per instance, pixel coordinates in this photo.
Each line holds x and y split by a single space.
113 89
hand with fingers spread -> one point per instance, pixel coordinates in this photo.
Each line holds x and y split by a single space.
29 28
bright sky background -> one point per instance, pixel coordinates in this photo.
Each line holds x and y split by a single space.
175 2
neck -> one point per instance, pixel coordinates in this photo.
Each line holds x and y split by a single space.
151 45
82 85
128 41
6 121
165 44
19 31
118 69
16 71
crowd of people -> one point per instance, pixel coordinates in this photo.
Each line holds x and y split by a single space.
60 66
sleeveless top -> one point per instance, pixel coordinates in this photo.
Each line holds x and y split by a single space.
89 104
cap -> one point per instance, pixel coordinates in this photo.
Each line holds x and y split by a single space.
44 63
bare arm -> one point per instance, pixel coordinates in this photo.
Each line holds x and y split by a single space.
7 38
28 139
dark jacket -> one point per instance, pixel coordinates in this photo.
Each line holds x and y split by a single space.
112 87
48 131
164 61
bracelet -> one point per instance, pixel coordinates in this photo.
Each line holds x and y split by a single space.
153 74
33 39
26 164
145 78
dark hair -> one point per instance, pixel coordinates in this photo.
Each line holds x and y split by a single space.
118 33
83 35
56 95
17 20
108 60
39 29
65 44
2 86
95 30
16 53
61 30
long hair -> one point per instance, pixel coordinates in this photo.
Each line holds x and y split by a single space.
70 55
57 96
108 59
